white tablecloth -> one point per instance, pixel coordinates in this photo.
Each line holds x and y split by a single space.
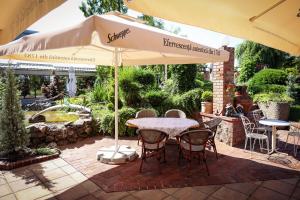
171 126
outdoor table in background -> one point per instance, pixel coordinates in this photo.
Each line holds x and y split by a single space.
172 126
274 123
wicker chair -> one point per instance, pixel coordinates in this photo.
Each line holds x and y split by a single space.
213 126
252 133
146 113
175 113
192 144
153 145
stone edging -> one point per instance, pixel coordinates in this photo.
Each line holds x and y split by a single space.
28 161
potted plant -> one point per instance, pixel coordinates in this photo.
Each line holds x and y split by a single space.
206 104
274 105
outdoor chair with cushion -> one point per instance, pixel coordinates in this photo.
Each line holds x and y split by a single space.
145 113
153 145
175 113
295 133
213 126
192 144
253 134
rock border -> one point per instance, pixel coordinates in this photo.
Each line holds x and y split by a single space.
28 161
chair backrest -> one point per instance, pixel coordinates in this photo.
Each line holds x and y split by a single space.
248 126
175 113
257 115
152 136
146 113
196 137
213 124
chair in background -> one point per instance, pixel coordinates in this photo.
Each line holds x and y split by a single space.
294 132
258 115
213 126
153 145
175 113
192 144
144 114
252 133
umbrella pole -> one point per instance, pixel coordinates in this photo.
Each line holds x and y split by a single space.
116 105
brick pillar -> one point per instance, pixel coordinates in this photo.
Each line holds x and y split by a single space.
223 81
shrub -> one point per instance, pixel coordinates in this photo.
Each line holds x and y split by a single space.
184 77
207 96
44 151
110 106
155 98
170 87
99 94
107 122
265 77
248 66
255 89
272 97
189 102
144 77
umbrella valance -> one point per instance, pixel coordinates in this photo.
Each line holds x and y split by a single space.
275 23
93 41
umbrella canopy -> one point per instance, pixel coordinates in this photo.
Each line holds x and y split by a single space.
17 15
274 23
111 39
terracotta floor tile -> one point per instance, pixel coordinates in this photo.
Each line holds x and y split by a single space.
109 196
11 176
292 181
32 193
149 194
130 197
279 186
189 193
74 192
209 189
47 197
78 177
296 193
245 188
90 186
226 193
88 197
5 190
8 197
266 194
170 190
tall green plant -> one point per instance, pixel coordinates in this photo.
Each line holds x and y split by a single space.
91 7
13 135
184 77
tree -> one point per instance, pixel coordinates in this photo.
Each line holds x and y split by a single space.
266 56
92 7
248 68
184 77
24 85
13 135
35 81
152 22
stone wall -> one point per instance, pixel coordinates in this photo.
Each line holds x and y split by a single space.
230 131
60 133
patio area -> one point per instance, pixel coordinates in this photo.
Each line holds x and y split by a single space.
78 175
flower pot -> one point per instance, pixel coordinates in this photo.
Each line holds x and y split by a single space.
275 110
207 107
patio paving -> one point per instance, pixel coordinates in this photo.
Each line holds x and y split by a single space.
78 175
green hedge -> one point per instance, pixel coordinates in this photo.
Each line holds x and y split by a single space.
268 80
107 122
189 102
155 97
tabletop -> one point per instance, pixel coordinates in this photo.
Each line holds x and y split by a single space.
274 122
171 126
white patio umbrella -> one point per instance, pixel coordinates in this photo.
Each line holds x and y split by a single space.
274 23
111 39
71 86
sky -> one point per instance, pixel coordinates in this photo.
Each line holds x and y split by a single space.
69 13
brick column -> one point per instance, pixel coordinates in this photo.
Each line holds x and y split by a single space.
223 79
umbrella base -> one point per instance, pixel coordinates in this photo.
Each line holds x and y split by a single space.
119 155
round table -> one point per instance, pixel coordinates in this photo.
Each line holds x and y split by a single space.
274 123
171 126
